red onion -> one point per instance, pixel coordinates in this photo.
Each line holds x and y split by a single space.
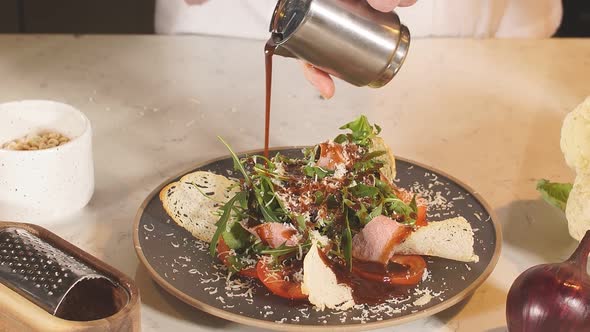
552 297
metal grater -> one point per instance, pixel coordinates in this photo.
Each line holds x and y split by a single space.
38 270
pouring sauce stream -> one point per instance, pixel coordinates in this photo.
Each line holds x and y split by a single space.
269 50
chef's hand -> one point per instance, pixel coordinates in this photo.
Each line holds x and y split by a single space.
321 80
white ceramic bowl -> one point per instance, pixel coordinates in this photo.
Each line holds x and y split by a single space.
44 185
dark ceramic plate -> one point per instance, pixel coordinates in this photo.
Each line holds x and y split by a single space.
182 265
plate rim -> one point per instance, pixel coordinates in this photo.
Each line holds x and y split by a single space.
221 313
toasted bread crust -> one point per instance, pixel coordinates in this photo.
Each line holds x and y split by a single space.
193 200
388 159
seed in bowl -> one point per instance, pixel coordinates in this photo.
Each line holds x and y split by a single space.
45 140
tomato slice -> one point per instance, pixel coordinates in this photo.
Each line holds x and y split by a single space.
249 272
415 265
276 283
411 275
222 253
421 216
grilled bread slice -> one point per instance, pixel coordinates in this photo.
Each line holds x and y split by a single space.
388 160
193 201
451 239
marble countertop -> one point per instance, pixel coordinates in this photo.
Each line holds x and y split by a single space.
486 111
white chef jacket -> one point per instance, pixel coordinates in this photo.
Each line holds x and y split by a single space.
427 18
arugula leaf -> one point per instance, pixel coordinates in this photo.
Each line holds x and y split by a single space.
374 154
270 171
236 237
360 127
347 241
268 214
347 202
341 138
313 171
377 211
237 164
362 214
310 153
300 222
235 264
258 246
408 221
413 204
332 201
363 190
377 129
371 165
264 196
362 131
554 193
283 249
383 187
222 222
319 197
397 206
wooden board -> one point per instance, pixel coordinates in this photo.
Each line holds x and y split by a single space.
17 313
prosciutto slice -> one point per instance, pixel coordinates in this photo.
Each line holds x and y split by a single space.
275 234
331 154
378 239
